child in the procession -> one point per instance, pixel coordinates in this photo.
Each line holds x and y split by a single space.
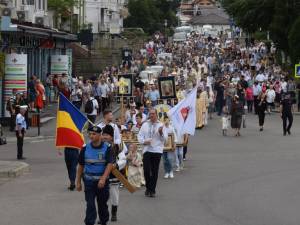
135 166
120 163
225 123
169 155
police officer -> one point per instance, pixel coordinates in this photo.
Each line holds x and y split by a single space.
71 160
120 163
95 165
286 113
20 131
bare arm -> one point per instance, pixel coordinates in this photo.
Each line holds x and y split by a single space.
78 177
104 177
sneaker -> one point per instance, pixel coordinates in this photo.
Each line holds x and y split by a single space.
166 176
181 168
171 175
178 169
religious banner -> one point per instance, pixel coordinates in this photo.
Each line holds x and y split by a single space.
15 75
60 64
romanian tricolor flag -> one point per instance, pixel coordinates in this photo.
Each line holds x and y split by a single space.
69 124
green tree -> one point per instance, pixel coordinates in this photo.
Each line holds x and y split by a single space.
151 14
62 9
279 17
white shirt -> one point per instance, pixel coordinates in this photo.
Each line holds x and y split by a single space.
260 77
270 96
225 123
104 90
20 121
117 135
171 130
149 132
95 107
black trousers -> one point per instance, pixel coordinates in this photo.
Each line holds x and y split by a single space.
261 117
151 167
12 122
20 140
71 160
184 151
287 117
256 104
250 106
104 103
92 193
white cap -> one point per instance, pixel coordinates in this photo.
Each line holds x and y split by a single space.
24 107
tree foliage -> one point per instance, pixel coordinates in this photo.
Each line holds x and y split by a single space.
151 14
61 8
279 17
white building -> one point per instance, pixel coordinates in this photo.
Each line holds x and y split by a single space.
104 15
34 11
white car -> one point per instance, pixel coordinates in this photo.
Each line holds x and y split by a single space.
164 56
180 37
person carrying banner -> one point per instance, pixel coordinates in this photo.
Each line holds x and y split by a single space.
95 165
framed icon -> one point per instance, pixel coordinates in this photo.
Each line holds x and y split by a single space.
125 101
175 101
169 145
131 100
169 102
167 87
118 100
125 84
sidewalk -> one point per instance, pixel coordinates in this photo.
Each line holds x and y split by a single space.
12 169
48 125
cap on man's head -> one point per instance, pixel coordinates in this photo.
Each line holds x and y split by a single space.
108 129
23 107
95 129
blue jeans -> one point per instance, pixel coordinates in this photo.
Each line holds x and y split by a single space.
92 192
168 161
71 160
179 157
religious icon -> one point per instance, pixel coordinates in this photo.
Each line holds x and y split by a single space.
124 85
167 87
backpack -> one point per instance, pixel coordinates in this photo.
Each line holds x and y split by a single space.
89 107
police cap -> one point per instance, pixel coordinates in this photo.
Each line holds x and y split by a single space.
95 129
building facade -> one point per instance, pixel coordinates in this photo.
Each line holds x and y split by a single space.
26 33
103 15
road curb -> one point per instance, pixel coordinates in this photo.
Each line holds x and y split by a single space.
11 169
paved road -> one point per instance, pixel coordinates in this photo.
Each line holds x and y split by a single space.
251 180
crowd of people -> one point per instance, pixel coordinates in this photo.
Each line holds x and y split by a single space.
233 78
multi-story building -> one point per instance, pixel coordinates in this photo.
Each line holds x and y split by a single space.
28 40
103 15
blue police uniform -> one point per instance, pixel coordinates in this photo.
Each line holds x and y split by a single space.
95 159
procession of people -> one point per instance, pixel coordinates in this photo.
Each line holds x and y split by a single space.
233 79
